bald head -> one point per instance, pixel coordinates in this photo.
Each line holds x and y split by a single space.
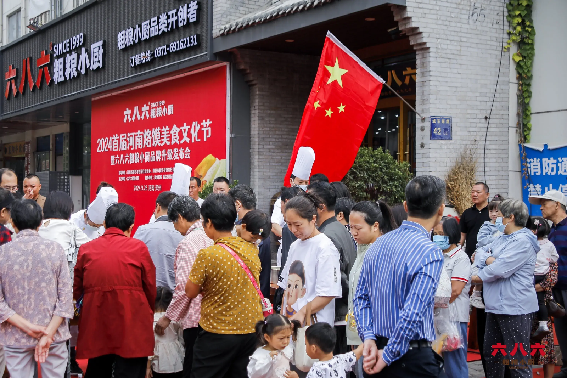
8 180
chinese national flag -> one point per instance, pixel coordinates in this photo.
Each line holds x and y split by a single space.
338 112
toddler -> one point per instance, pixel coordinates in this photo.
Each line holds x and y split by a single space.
489 231
272 358
320 341
169 352
544 257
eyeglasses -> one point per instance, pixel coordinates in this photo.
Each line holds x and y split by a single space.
12 189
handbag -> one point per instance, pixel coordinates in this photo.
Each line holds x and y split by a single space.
265 302
555 309
301 359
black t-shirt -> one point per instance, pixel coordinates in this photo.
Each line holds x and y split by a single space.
470 223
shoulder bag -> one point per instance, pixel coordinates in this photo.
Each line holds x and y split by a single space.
265 302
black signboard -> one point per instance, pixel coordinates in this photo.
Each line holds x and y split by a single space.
102 45
401 77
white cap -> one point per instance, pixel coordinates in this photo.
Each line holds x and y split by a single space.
304 163
97 209
553 195
181 179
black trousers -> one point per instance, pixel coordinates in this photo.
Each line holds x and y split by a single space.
113 366
481 320
179 374
341 340
420 362
217 356
542 314
189 337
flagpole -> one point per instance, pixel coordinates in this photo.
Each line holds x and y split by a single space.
422 118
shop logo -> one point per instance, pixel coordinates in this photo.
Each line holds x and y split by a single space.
150 110
518 363
64 68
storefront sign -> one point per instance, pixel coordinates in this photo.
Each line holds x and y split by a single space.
101 44
440 128
401 77
14 149
139 135
543 169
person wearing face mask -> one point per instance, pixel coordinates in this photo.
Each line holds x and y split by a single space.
367 221
300 177
507 273
487 234
446 235
91 221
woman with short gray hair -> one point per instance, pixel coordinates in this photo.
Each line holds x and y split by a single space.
507 274
185 214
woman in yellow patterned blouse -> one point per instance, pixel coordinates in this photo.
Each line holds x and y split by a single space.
231 305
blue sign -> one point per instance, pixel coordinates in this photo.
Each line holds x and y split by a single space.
440 128
544 170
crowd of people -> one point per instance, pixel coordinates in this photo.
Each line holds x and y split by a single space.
182 295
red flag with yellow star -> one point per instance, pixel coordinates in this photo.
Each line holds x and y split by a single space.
338 112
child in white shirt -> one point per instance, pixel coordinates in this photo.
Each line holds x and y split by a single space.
169 349
320 341
544 257
272 358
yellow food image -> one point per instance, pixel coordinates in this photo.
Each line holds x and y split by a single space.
211 172
204 166
218 169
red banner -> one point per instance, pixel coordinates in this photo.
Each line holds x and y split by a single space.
138 136
340 107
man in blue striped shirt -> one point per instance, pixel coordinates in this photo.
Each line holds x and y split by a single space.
394 299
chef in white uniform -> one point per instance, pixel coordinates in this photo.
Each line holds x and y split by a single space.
90 221
180 183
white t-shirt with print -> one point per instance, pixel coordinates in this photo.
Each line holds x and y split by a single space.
337 367
318 259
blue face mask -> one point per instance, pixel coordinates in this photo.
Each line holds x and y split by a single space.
499 224
442 241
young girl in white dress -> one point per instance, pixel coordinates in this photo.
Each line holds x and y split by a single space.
169 351
272 358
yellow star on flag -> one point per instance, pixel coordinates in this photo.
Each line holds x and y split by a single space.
328 113
336 73
341 108
317 104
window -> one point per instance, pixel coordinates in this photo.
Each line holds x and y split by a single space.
14 26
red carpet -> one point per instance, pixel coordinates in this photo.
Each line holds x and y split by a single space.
473 355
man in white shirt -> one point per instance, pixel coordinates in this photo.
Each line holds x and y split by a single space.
90 221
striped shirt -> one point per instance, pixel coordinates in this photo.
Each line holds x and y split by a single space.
182 309
395 294
558 237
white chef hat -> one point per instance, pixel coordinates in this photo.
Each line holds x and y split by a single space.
180 179
97 209
304 163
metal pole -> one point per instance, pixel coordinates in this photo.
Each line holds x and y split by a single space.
422 118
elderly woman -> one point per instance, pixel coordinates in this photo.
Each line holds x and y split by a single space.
456 264
507 274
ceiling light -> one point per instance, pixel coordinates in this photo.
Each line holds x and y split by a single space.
382 117
370 19
76 112
379 129
377 132
4 127
289 40
396 115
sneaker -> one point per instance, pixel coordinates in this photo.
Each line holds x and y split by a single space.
540 334
476 300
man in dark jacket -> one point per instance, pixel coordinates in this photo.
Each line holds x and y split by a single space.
328 224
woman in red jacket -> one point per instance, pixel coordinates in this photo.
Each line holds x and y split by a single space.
117 279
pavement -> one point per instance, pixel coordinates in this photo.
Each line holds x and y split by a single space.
475 369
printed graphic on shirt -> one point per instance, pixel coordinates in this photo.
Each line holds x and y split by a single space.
296 288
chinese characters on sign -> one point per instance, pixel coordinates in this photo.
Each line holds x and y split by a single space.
440 128
146 56
138 137
522 360
165 22
400 77
543 170
65 67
